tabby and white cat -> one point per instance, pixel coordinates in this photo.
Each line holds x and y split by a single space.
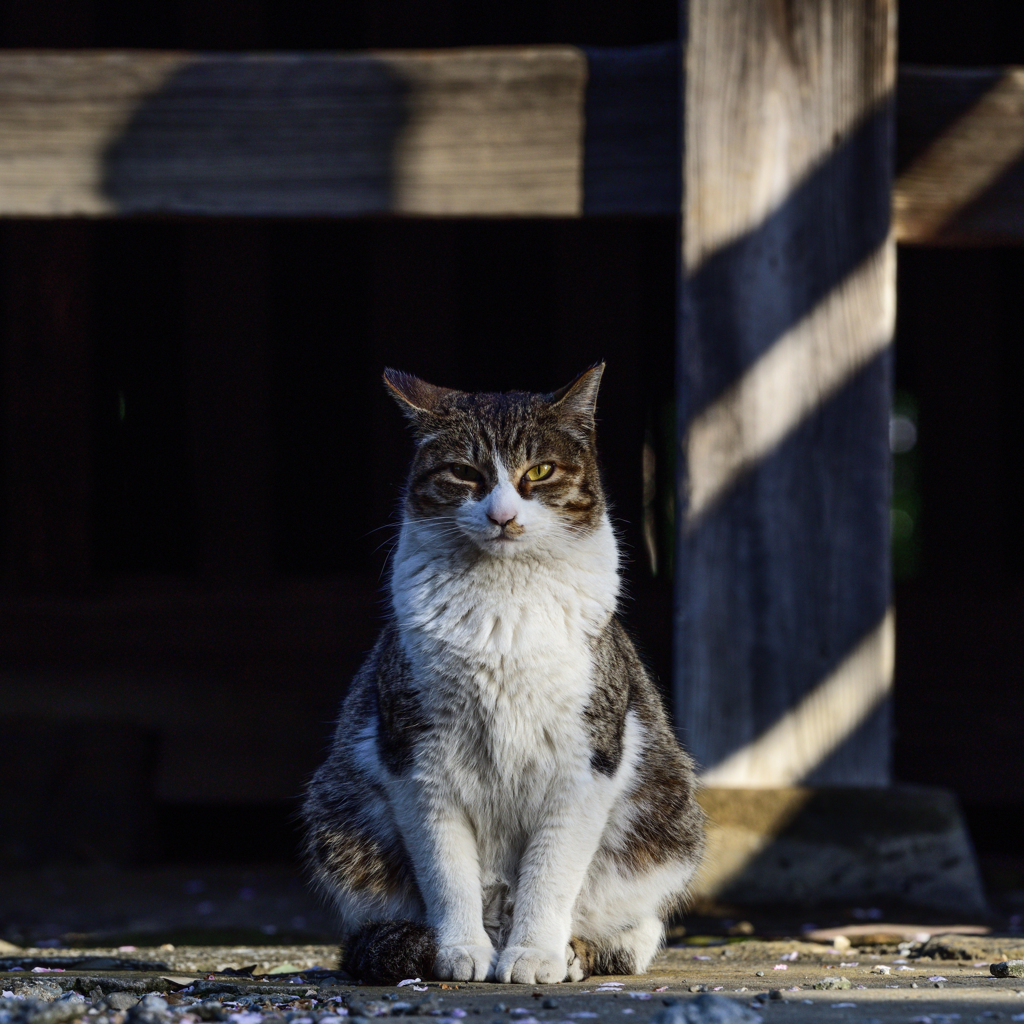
504 797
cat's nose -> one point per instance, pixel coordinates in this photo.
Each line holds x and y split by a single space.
502 506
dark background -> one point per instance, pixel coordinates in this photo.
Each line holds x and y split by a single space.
198 457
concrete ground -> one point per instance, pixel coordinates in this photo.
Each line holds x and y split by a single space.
114 935
943 980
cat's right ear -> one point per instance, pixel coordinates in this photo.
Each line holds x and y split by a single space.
415 397
578 400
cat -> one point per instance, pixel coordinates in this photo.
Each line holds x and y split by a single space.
504 798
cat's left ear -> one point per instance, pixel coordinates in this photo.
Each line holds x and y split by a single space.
578 400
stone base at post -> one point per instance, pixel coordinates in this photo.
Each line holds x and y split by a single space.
894 846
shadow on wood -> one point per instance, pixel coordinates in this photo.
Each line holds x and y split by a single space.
960 156
228 136
785 380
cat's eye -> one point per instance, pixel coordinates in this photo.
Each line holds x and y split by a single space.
541 472
467 473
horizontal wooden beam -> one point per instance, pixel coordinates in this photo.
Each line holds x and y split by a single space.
468 133
960 156
536 131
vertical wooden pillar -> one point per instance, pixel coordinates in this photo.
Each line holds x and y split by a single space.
784 638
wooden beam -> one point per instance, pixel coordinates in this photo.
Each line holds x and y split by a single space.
960 156
536 131
783 638
484 132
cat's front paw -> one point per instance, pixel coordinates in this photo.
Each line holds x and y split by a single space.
464 963
523 965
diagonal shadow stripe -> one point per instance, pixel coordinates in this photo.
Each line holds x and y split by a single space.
931 100
802 738
784 578
749 293
953 179
797 374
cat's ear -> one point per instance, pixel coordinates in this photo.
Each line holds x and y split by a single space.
416 398
578 400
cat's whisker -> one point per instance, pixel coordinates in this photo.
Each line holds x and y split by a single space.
384 565
377 529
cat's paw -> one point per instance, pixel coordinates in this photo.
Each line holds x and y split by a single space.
464 963
522 965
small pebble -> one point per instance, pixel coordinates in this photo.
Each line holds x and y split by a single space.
121 1000
550 1004
832 982
1007 969
759 974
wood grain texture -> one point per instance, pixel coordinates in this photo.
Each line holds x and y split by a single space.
483 132
487 132
960 156
786 319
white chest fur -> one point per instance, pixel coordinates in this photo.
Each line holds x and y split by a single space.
461 611
501 646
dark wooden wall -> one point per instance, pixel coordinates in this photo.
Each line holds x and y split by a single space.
237 464
196 450
960 600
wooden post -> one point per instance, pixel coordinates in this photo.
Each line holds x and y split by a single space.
784 638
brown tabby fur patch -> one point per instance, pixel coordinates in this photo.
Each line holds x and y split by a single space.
667 822
595 959
342 845
522 430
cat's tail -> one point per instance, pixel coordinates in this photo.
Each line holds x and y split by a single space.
599 958
385 952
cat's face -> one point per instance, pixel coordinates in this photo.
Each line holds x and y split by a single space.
508 473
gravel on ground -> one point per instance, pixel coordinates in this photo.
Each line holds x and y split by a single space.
791 982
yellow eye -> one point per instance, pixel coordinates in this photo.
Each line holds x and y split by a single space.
467 473
541 472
